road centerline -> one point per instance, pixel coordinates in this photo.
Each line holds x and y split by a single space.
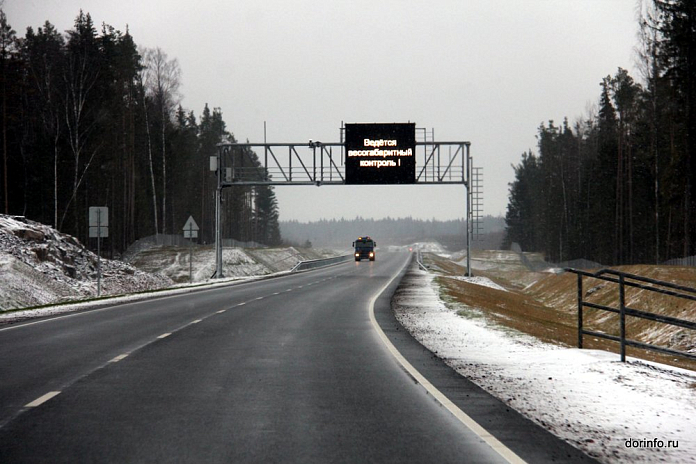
42 399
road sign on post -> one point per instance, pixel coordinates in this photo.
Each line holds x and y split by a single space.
190 232
99 228
191 228
98 222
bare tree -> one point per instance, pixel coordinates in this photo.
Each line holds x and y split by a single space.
80 77
143 75
162 80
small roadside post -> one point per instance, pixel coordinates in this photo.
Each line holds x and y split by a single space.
98 227
190 232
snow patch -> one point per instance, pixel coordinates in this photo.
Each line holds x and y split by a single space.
586 397
41 265
478 280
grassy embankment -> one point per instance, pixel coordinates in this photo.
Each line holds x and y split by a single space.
544 305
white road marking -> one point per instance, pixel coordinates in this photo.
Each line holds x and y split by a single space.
260 298
164 335
41 400
196 321
221 311
119 357
464 418
277 293
241 304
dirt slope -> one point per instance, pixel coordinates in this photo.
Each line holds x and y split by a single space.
544 304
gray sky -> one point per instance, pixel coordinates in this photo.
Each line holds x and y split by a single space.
484 71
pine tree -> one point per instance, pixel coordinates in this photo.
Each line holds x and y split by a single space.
44 55
8 48
677 50
267 216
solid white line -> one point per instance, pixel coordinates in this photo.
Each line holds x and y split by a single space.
41 400
164 335
118 358
464 418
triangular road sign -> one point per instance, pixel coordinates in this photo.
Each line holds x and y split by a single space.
190 224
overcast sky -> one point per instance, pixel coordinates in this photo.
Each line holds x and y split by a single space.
489 72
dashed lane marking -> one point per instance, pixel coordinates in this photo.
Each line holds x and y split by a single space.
221 311
42 399
119 358
165 335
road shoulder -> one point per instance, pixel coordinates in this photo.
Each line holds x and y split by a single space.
525 438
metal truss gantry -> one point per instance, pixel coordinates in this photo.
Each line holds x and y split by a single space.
317 163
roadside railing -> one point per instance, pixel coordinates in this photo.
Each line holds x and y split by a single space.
419 260
624 280
315 263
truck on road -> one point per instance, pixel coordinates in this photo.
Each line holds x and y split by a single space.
364 248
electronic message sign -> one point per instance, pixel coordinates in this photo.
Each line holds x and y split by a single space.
380 153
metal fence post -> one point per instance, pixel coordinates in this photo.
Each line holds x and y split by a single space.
468 212
580 311
622 317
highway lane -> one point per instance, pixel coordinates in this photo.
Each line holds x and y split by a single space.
51 354
288 369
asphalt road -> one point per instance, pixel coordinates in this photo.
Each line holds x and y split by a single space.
282 370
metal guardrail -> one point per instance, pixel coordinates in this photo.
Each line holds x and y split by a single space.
316 263
687 261
419 260
635 281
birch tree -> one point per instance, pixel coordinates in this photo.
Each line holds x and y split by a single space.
80 77
162 81
142 78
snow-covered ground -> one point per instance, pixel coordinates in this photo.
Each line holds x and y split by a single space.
53 310
479 280
430 247
616 412
39 265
